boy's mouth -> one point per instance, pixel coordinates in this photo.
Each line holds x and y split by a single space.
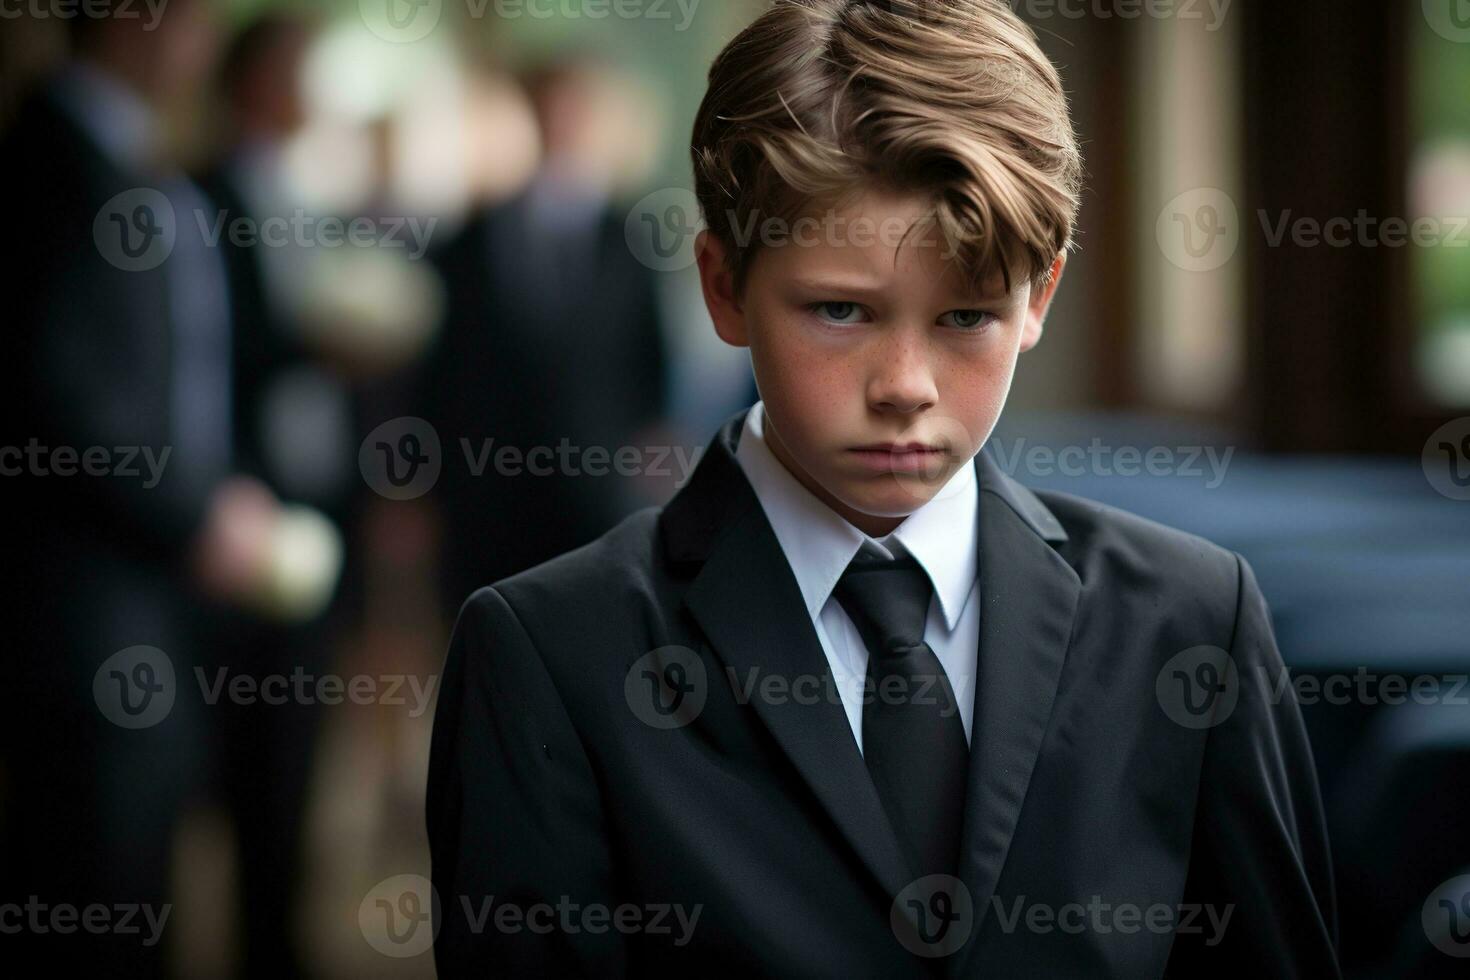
893 457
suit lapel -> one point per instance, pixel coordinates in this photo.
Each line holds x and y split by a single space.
746 600
1030 597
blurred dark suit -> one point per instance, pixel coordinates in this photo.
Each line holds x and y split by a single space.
259 346
552 333
119 359
263 752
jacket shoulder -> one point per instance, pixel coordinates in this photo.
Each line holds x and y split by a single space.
588 597
625 551
1106 544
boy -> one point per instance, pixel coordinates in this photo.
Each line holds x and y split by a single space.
855 703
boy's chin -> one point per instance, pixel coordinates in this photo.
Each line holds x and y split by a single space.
891 496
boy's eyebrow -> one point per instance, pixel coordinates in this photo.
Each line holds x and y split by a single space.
857 287
836 285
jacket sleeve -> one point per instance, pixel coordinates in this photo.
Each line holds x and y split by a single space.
100 364
517 841
1260 851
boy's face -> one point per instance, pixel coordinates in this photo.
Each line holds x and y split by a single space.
880 371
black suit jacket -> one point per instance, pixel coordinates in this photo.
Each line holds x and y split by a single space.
548 783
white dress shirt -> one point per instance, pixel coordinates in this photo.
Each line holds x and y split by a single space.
819 544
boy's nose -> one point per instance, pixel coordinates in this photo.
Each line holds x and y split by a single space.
902 377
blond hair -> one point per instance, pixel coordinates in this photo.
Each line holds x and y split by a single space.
818 100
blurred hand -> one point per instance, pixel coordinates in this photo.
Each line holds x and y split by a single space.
233 550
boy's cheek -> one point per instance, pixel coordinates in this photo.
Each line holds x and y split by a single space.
798 382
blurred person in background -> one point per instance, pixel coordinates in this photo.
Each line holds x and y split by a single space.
295 424
134 533
551 338
292 401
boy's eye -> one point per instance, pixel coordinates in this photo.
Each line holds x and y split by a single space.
967 319
843 313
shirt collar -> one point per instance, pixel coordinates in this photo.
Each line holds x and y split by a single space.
819 543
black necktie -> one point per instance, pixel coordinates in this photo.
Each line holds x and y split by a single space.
913 740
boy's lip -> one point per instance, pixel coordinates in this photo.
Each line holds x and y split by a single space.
893 457
898 447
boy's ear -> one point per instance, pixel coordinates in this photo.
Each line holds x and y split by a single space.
1039 302
718 283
